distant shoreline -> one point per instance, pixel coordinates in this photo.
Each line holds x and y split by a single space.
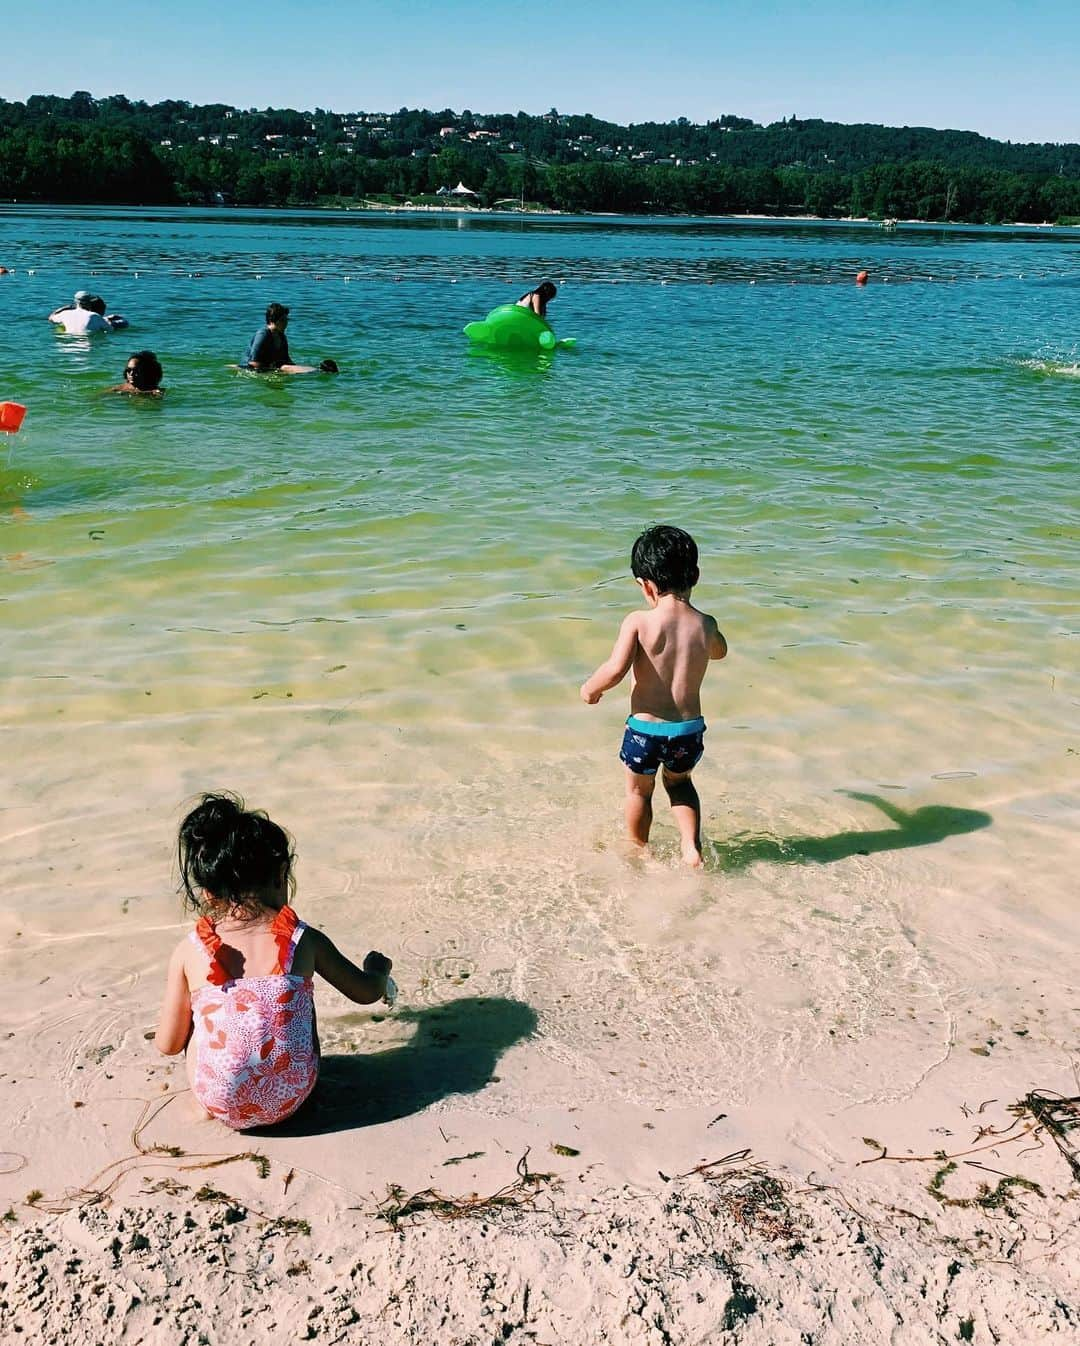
376 207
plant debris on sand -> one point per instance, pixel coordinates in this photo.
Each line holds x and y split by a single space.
399 1205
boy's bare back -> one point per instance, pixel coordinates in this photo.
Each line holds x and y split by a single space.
673 644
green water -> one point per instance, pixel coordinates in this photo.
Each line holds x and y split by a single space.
368 601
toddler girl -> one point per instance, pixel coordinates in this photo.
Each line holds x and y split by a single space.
239 994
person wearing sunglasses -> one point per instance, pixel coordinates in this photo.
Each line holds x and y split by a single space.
142 376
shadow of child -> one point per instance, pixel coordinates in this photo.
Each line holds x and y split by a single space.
454 1050
914 827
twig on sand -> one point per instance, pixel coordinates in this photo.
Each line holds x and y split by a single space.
523 1191
104 1182
1002 1138
705 1170
749 1194
1059 1117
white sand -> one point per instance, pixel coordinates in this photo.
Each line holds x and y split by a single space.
896 964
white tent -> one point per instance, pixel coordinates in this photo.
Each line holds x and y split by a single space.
461 190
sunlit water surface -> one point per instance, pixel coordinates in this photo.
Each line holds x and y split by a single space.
367 602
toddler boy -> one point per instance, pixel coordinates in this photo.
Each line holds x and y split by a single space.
668 649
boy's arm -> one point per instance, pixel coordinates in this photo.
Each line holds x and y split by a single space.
717 643
174 1021
362 985
616 666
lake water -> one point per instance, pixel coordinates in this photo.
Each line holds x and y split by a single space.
367 603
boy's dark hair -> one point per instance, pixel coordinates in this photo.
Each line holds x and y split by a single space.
148 372
328 367
275 313
96 305
235 855
668 556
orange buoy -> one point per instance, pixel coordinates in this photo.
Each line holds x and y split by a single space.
11 416
862 277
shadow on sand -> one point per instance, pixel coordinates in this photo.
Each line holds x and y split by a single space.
919 827
454 1050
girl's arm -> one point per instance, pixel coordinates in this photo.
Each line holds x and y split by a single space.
364 985
174 1022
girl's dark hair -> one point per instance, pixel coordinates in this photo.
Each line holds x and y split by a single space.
546 290
148 372
234 855
668 556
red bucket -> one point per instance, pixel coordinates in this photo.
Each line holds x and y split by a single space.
11 416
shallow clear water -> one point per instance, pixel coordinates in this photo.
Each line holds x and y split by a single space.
367 602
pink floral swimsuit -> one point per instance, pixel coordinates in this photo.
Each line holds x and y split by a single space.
256 1058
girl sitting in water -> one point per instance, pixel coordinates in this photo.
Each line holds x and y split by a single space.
239 993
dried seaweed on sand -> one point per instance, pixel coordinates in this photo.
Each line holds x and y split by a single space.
398 1204
1059 1117
755 1199
101 1186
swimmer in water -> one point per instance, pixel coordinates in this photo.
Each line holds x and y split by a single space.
142 376
83 318
269 349
538 299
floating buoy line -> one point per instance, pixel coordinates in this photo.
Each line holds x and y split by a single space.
286 275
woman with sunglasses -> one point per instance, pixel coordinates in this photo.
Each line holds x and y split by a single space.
142 376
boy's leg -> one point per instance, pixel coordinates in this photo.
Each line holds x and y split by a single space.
639 792
686 809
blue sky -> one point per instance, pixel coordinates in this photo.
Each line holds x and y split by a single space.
1002 67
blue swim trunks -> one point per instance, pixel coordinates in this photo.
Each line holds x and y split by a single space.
649 744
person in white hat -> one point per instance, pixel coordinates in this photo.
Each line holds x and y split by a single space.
81 319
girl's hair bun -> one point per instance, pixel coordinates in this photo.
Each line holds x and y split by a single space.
232 854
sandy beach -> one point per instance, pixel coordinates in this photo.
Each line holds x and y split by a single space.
822 1092
530 1150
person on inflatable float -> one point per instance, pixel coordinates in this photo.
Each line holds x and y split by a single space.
269 348
539 298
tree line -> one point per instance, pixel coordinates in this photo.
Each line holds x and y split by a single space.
115 151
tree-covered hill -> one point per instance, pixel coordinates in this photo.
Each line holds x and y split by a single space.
82 149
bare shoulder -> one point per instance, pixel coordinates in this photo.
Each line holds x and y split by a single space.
180 949
319 947
180 960
315 939
715 637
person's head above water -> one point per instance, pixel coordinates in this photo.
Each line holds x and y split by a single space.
143 371
277 315
546 291
234 859
667 557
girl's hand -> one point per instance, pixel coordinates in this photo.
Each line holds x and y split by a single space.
377 964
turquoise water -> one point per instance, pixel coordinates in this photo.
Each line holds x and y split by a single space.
810 433
368 601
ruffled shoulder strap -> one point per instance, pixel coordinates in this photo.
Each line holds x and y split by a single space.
207 935
286 928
